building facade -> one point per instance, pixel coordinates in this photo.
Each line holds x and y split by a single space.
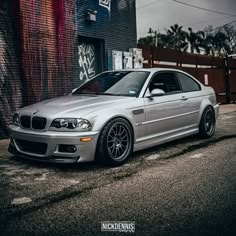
49 47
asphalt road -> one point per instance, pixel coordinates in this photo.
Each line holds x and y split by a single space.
186 187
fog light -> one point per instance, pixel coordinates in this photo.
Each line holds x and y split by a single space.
85 140
71 148
67 148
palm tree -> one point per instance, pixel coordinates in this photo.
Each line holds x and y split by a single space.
219 41
163 40
221 44
208 43
195 40
211 41
177 38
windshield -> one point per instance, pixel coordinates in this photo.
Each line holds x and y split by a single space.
118 83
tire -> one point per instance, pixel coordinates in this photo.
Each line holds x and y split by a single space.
208 123
115 143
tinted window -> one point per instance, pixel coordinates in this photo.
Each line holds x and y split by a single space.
187 83
165 81
118 83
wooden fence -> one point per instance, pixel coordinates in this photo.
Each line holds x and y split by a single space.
209 70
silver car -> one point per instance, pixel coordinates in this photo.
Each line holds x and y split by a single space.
114 114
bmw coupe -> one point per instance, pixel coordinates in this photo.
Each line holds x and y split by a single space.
114 114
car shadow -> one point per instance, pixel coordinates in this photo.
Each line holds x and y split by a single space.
92 166
172 144
87 166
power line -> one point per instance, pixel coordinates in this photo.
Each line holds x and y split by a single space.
148 4
223 25
201 22
204 9
234 21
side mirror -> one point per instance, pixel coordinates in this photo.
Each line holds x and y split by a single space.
157 92
73 90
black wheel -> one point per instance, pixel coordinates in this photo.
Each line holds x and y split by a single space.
115 142
208 123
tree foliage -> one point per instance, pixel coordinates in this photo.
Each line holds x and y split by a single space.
220 41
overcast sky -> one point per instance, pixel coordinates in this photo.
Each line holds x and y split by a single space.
160 14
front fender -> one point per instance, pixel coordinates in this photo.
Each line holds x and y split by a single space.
100 120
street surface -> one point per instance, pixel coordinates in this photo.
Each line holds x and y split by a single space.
187 187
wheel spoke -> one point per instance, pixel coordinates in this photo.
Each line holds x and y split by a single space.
111 147
122 147
112 131
115 152
118 151
122 137
122 132
119 130
116 132
124 141
112 151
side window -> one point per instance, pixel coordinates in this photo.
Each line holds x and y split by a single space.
165 81
187 83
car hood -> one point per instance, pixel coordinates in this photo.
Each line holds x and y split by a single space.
73 106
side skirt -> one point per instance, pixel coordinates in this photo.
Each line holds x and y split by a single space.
160 139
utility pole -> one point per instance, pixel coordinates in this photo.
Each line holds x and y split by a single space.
227 84
154 43
227 79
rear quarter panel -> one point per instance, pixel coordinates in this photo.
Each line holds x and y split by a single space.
208 99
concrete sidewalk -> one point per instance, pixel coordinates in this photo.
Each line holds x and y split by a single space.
227 108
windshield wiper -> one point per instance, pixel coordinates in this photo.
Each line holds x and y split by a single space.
99 93
83 94
109 94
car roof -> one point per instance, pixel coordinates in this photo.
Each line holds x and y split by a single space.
152 70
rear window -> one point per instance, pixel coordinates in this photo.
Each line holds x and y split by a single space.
187 83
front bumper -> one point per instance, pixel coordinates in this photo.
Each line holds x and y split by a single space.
85 151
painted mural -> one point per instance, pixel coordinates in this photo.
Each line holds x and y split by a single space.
10 83
48 36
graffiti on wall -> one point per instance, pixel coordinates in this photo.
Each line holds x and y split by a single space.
10 84
87 63
138 57
117 60
106 4
128 60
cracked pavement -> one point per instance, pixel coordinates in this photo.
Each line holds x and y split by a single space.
186 187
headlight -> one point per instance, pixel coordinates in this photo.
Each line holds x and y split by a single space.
16 120
70 123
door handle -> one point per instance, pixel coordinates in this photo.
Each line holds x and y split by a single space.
184 98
